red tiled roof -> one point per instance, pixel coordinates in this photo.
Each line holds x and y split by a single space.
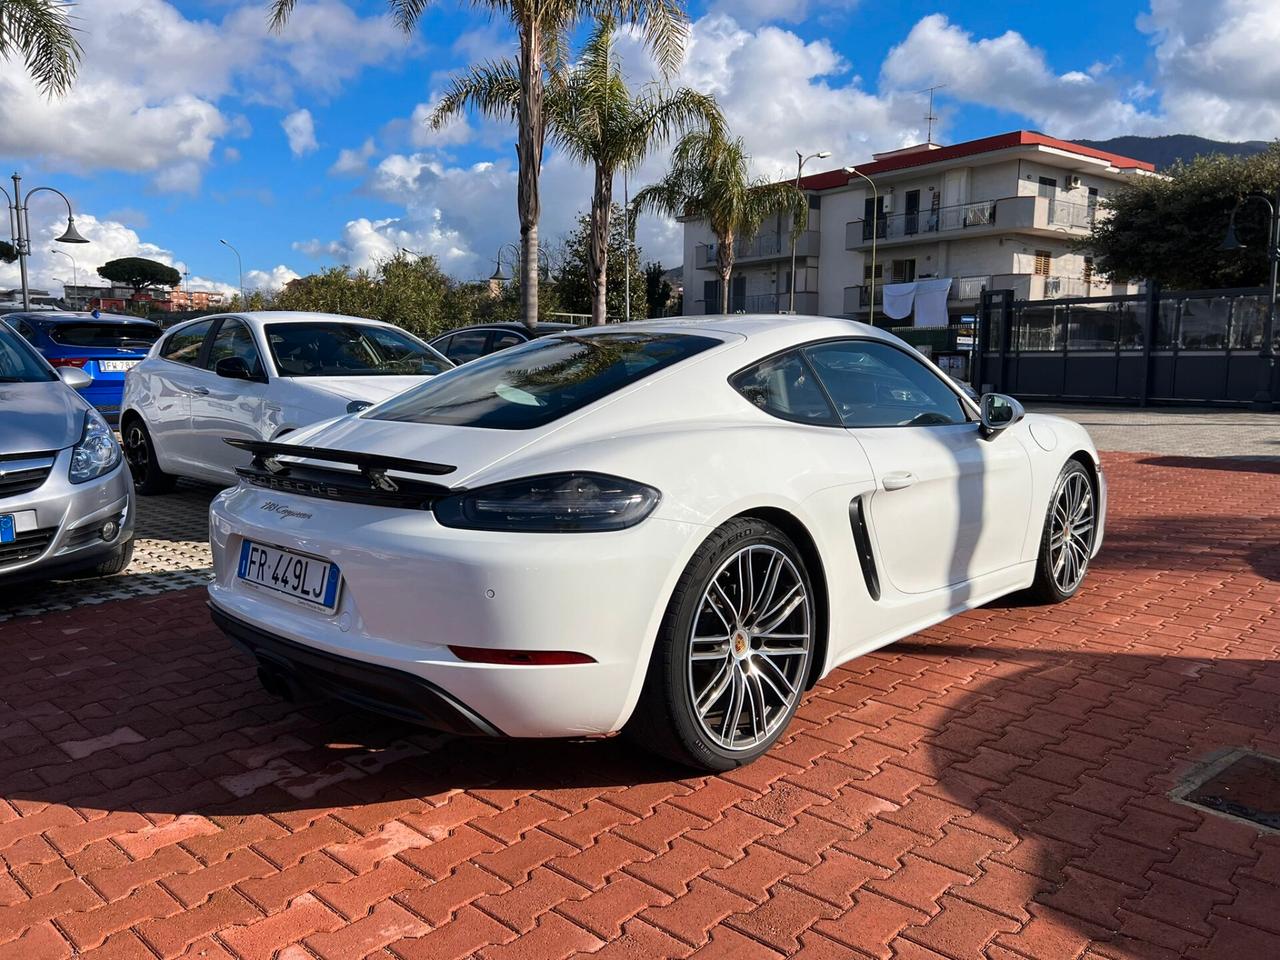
1003 141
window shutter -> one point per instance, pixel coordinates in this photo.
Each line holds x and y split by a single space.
1043 259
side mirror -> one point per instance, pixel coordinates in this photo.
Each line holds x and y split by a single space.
233 368
999 412
75 378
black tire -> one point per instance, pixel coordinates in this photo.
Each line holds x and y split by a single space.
115 562
1050 585
148 479
666 720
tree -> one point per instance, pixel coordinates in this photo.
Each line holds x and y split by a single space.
657 289
42 34
710 180
542 30
139 273
8 253
577 271
1170 230
592 116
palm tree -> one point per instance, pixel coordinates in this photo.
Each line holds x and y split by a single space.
41 33
710 180
592 116
542 29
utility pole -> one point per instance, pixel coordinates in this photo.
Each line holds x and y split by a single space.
801 160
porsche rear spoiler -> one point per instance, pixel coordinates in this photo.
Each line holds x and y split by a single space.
368 483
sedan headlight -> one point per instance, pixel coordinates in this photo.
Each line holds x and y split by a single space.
96 453
554 503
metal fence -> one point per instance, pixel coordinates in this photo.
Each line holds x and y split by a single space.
1202 346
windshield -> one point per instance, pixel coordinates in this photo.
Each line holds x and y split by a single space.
117 336
18 362
540 381
326 349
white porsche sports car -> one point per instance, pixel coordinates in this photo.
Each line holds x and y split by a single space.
672 528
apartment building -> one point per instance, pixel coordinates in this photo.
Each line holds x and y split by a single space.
1001 212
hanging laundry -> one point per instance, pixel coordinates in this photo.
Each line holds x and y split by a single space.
931 302
898 299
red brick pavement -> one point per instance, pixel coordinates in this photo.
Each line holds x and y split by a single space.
996 786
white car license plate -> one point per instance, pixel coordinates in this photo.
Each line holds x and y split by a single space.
304 579
117 366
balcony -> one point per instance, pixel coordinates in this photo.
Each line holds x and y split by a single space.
1033 214
763 247
806 303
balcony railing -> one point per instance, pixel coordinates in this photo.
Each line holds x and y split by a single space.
765 246
897 226
1078 216
806 303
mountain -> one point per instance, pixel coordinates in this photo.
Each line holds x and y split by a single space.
1164 151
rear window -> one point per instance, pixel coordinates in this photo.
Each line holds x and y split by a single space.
533 384
118 336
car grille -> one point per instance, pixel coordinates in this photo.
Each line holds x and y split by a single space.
24 473
26 546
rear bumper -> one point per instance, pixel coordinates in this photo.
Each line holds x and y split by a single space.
368 686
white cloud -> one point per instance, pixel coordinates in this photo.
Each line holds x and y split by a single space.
300 129
160 112
109 239
353 161
751 12
1217 69
1008 73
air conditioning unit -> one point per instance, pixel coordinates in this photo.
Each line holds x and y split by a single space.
886 202
1073 182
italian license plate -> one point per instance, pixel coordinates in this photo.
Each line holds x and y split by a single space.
307 580
8 529
117 366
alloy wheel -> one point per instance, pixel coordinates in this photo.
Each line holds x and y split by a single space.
136 452
749 647
1071 529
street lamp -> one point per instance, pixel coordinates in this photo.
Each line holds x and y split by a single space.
244 301
801 160
75 270
544 265
1264 398
875 228
20 228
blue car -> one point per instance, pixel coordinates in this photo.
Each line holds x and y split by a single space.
104 347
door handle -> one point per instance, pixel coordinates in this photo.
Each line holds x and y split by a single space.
899 480
199 391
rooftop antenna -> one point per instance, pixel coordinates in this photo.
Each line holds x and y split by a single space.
930 117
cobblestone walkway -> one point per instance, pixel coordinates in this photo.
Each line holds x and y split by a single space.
997 786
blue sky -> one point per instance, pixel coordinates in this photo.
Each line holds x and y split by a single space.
176 134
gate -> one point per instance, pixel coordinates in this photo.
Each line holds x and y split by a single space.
1198 346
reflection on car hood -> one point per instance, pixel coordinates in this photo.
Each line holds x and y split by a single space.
39 416
374 389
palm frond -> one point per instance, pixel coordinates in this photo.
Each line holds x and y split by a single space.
42 33
491 88
663 24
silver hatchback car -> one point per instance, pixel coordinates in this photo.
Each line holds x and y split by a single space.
66 497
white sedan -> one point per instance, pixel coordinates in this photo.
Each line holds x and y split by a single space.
672 528
256 376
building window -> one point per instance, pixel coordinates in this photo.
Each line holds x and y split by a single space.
904 271
1043 261
866 272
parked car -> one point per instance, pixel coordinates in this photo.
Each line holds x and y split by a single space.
672 528
466 343
66 500
256 376
104 347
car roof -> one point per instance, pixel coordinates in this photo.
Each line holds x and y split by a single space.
260 317
515 325
762 329
76 317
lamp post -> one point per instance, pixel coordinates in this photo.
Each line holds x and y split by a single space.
1263 399
20 228
875 229
244 301
544 265
801 160
75 270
